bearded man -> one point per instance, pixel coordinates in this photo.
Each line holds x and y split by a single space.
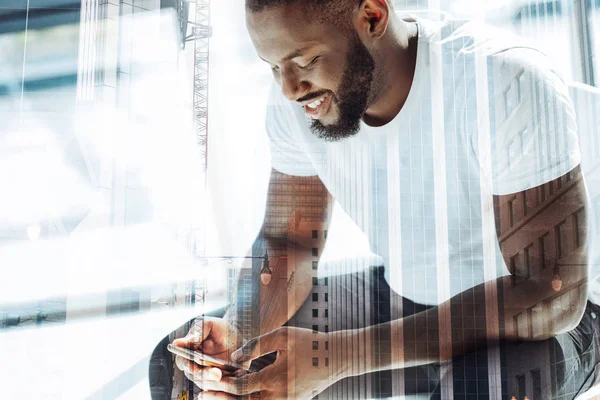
428 134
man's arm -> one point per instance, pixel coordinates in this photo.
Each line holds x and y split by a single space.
295 207
513 300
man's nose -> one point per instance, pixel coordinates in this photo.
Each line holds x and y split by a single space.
293 86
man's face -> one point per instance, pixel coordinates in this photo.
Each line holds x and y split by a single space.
327 70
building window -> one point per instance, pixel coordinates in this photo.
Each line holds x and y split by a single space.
544 247
315 328
315 252
507 102
511 213
326 315
315 234
326 281
536 382
326 345
529 261
326 328
562 240
558 183
529 323
315 297
315 265
315 281
327 361
542 193
325 234
513 270
315 313
326 296
520 386
580 221
520 81
315 345
315 361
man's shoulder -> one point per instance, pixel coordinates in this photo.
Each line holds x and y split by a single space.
508 58
467 39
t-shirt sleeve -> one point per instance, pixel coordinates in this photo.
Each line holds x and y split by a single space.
532 125
288 154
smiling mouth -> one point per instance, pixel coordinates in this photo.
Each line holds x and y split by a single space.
318 108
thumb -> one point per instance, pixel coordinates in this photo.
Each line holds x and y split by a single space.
196 335
276 340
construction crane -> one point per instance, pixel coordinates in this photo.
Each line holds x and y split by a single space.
200 34
196 30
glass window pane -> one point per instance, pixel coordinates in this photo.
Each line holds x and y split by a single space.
545 24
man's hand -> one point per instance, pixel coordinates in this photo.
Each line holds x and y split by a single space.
211 336
292 375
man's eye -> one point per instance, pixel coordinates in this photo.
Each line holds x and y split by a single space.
310 64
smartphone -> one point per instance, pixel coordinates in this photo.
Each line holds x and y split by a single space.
205 359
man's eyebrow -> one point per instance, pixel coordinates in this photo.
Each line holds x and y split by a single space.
296 53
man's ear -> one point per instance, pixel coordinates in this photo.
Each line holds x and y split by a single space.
373 18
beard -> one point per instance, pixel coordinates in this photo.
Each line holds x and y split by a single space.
352 95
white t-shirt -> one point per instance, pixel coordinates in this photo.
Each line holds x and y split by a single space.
485 115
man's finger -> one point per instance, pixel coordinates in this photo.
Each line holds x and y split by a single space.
180 362
206 373
196 335
243 385
276 340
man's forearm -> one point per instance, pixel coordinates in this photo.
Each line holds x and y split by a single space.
290 285
419 347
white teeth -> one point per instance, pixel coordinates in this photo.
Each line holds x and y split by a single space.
317 103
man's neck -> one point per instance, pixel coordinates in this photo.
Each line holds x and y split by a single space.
397 74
